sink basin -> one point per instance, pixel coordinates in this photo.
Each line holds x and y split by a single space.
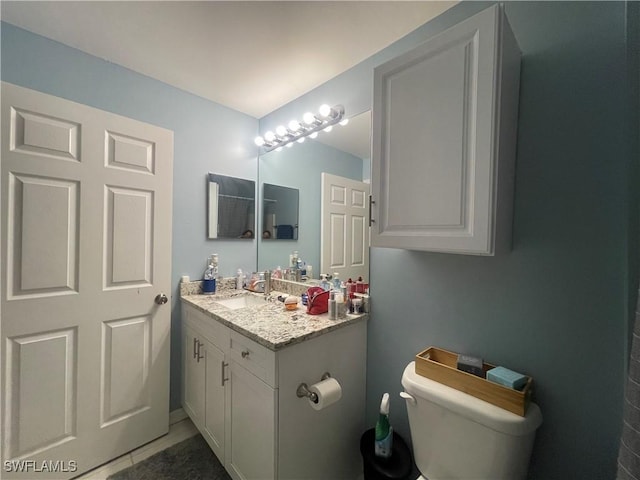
242 301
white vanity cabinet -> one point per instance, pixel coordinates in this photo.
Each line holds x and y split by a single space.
444 138
231 406
242 397
203 393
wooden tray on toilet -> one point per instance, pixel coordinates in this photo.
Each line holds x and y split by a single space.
441 366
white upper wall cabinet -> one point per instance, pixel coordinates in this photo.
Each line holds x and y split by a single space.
444 141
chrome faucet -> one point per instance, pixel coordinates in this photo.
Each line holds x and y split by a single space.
265 282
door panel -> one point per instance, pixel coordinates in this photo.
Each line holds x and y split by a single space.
125 368
129 247
130 153
38 423
86 247
39 134
345 227
36 266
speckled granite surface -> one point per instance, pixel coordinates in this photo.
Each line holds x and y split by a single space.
269 324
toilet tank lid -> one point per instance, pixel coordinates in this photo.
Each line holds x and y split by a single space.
469 406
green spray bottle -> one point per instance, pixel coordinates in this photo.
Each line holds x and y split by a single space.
384 431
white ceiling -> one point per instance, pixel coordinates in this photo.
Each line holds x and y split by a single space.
253 57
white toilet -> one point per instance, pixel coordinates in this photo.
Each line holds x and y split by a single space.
458 436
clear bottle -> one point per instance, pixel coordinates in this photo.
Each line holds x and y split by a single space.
214 263
324 283
209 278
333 306
209 272
239 279
336 281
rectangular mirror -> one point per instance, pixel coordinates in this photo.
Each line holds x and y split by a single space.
344 152
279 212
231 207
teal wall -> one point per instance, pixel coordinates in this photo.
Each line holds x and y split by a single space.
208 137
556 307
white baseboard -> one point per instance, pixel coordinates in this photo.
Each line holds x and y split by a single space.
177 415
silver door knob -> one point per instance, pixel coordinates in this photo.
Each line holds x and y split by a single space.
161 299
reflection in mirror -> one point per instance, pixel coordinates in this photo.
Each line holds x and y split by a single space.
279 212
344 152
231 207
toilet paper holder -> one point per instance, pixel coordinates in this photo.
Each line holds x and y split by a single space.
303 389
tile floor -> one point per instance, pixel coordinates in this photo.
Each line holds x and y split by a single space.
180 429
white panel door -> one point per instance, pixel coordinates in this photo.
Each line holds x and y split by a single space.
86 231
344 227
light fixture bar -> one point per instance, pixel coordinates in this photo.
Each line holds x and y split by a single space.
297 131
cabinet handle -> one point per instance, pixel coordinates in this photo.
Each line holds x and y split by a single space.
199 357
195 351
245 353
371 202
222 365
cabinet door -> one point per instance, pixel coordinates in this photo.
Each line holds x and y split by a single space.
435 122
214 398
250 447
193 376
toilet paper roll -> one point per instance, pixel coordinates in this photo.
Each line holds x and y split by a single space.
328 391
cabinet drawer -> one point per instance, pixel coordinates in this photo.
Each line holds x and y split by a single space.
254 357
211 329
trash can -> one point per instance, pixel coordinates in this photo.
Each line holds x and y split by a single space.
396 467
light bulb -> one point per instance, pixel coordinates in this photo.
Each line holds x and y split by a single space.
313 135
324 110
290 144
269 136
281 130
259 141
294 126
309 118
344 122
329 128
300 140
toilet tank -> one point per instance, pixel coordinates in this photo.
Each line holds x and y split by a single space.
458 436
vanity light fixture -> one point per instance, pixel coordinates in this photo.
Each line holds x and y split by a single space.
296 131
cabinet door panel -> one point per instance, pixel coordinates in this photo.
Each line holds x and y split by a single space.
214 400
193 377
250 449
436 127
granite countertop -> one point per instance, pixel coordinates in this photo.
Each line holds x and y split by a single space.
269 324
